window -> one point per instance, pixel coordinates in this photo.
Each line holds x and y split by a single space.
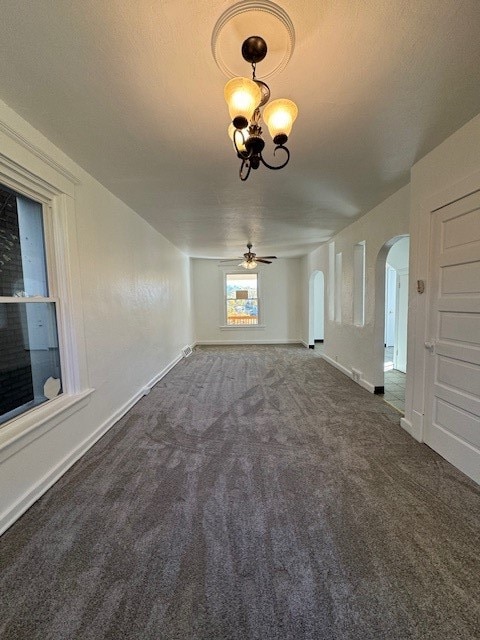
30 372
241 299
359 284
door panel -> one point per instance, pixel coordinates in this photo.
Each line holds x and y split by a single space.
461 278
461 423
390 298
457 374
401 316
452 412
461 229
459 327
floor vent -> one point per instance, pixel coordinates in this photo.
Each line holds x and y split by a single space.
187 351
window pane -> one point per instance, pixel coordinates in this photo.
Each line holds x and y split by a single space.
242 312
242 303
22 248
241 282
29 356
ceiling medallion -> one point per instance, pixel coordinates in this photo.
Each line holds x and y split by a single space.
244 98
238 22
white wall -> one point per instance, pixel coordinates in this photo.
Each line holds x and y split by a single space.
279 303
346 344
136 314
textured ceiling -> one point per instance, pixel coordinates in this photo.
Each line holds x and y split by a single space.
130 90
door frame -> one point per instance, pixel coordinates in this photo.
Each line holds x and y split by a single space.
312 305
379 317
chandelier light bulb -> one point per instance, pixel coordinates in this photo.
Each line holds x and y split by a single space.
242 97
279 117
238 140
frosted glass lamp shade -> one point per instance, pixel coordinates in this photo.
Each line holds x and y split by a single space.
248 265
242 97
279 117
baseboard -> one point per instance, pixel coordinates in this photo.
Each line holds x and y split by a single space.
367 385
7 518
159 376
337 365
361 381
240 342
305 344
415 426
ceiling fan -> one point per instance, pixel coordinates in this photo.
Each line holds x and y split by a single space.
250 259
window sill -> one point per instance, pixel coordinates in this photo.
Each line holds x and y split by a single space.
21 431
227 327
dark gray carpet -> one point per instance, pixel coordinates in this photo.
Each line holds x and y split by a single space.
256 493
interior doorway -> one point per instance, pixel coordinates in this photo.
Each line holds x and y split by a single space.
317 311
393 265
396 312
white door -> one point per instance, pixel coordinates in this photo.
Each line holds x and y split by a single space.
401 315
452 411
390 296
318 311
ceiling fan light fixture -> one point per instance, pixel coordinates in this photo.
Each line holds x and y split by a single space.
250 260
248 264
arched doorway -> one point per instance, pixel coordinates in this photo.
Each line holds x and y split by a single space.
316 333
391 320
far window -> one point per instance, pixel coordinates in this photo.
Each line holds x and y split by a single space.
29 353
241 293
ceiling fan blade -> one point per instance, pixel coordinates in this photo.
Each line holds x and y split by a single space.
266 258
262 260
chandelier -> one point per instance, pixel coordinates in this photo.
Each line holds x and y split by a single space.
244 98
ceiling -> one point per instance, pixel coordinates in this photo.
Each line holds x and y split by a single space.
130 90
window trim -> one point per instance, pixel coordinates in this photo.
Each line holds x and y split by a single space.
54 187
34 423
